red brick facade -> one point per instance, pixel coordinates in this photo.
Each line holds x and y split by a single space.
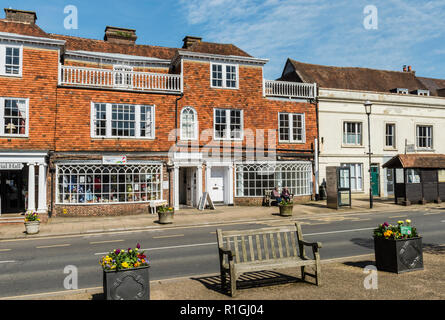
60 116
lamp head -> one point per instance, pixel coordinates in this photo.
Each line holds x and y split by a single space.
368 106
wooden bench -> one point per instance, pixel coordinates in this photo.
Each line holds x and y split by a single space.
243 251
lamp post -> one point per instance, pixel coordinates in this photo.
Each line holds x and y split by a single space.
368 106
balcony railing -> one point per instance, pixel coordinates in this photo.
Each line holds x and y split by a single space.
124 80
287 89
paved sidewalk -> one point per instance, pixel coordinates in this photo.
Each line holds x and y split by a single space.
226 214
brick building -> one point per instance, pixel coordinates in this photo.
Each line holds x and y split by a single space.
104 127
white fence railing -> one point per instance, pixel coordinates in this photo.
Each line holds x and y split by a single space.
289 89
129 80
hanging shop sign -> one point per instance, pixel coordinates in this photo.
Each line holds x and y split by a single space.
114 159
11 166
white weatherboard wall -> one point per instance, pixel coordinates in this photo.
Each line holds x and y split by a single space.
405 111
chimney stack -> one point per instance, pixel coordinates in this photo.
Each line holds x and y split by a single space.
189 41
120 35
409 68
20 15
404 68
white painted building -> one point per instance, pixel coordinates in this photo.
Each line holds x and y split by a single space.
408 116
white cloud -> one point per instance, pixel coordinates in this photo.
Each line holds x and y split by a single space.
321 31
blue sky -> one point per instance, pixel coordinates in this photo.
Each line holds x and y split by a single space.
314 31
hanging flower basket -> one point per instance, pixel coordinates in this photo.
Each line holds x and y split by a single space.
398 248
126 275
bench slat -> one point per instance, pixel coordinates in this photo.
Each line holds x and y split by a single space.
235 244
272 245
266 247
258 247
280 247
243 246
294 244
286 241
259 231
252 252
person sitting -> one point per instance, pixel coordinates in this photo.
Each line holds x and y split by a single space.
285 194
276 195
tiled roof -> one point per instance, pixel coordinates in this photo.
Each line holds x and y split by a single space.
424 161
83 44
26 29
433 84
352 78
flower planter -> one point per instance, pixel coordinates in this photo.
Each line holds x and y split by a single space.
286 209
166 217
127 284
32 227
398 256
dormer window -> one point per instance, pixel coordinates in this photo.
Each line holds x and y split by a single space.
123 76
421 92
224 75
402 91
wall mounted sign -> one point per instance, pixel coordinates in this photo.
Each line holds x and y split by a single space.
11 166
114 159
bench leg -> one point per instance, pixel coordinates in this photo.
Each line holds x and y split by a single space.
317 269
223 280
232 281
303 273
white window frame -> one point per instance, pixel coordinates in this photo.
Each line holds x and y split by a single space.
124 71
394 136
81 171
228 123
430 137
195 124
344 131
3 60
224 75
354 179
109 122
2 118
291 127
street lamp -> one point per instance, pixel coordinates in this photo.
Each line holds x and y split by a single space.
368 106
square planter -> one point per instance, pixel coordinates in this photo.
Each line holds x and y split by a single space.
128 284
286 209
398 256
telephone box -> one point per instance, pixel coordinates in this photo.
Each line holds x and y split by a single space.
338 187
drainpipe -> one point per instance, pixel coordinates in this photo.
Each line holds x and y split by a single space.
176 117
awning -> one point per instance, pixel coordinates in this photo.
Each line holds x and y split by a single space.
423 161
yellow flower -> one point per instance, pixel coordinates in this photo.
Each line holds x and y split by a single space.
408 221
400 222
387 233
124 264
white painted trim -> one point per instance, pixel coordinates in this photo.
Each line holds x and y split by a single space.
290 123
13 37
3 60
228 123
2 118
224 75
195 125
181 54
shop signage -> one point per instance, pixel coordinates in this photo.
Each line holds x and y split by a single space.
114 159
11 166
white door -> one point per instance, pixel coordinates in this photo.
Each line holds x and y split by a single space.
216 184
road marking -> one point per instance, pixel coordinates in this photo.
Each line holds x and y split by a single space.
398 216
170 236
54 246
105 241
443 221
431 213
7 261
339 231
3 250
170 247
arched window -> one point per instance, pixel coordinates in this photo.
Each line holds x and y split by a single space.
189 124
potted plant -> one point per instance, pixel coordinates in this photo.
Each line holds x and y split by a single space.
32 222
286 208
398 248
125 275
165 214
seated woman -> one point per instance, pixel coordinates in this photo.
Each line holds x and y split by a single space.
285 194
276 195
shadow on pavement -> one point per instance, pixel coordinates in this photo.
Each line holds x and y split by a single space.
97 296
248 280
433 248
364 242
360 264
